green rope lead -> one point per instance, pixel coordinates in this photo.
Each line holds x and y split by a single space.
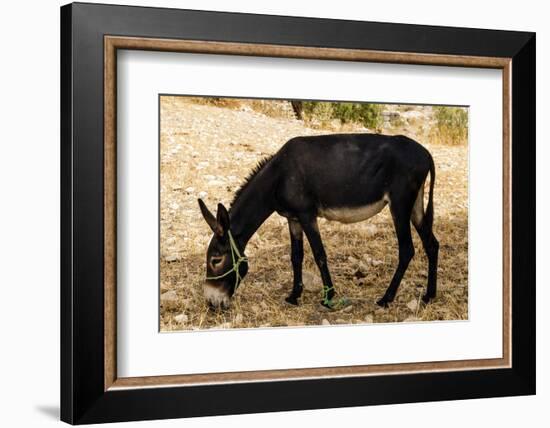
236 258
331 303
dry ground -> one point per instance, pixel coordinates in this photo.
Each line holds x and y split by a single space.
207 150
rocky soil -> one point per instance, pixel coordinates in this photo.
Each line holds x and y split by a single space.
206 151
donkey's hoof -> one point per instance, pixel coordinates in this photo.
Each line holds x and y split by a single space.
325 304
328 306
426 298
384 302
292 300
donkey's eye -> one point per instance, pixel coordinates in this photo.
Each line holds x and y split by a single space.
215 261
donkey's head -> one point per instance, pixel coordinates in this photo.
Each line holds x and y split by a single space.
226 264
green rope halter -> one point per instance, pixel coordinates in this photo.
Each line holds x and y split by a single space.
332 303
236 258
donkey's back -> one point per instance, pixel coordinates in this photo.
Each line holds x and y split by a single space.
349 177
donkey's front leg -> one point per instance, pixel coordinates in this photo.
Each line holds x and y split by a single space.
297 257
311 230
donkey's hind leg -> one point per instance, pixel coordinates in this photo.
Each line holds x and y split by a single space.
431 247
297 257
401 213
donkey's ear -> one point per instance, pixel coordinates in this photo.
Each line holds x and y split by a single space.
209 217
223 218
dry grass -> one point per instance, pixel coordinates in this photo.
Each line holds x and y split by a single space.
206 150
451 126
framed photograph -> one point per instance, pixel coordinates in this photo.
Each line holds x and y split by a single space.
265 213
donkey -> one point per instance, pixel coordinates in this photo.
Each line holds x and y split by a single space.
343 177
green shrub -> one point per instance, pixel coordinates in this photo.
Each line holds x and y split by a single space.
368 115
451 125
321 111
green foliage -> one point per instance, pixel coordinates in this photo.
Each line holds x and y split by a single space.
369 115
451 125
318 110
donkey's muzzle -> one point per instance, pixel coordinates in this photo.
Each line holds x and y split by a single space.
216 295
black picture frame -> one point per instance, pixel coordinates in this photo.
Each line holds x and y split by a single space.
83 397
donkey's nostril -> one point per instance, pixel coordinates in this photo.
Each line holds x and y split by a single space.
216 261
212 306
218 306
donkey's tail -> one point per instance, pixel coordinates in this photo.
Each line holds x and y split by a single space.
429 215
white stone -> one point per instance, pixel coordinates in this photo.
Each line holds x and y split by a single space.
309 280
352 259
171 258
169 300
370 230
412 305
181 318
363 266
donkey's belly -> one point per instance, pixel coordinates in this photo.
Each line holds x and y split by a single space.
353 214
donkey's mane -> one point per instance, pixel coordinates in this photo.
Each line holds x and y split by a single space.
259 166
